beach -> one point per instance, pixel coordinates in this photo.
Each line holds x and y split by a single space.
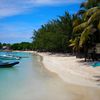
71 69
46 76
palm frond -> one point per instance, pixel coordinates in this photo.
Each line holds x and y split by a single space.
85 34
80 27
90 12
81 12
76 22
75 43
94 17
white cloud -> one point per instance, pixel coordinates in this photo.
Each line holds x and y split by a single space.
48 2
14 7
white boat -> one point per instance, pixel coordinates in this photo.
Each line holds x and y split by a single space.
9 57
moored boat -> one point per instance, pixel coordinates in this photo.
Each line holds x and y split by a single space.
8 64
9 57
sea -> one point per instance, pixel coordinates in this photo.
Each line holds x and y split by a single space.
30 80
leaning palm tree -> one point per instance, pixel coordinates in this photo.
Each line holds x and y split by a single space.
90 26
89 29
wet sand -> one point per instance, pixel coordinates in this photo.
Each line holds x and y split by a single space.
82 79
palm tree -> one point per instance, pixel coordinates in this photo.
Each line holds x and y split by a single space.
89 29
90 26
90 3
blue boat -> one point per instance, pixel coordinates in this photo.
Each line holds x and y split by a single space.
8 64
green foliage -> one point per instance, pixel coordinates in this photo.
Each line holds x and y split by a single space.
94 17
80 27
75 32
88 30
90 3
89 12
0 45
75 43
85 35
22 46
55 35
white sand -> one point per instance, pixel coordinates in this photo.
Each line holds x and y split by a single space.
72 70
79 76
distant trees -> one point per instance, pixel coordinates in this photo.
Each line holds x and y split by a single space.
22 46
0 45
16 46
4 46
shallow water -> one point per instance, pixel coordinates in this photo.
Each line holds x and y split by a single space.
96 64
29 80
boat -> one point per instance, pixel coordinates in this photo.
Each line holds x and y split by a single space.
9 57
8 64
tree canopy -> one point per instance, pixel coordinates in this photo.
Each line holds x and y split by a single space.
67 33
76 31
55 35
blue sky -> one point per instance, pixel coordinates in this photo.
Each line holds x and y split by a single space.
19 18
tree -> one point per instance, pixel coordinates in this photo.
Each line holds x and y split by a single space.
22 46
55 35
88 31
0 45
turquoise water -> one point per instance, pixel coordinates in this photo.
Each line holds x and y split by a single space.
96 64
29 80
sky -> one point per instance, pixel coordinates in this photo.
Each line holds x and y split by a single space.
18 18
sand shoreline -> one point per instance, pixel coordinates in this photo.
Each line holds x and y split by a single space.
72 70
79 82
